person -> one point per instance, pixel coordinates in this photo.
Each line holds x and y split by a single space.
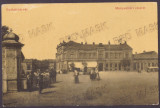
40 82
85 70
36 74
91 74
51 75
76 76
54 75
94 74
97 74
29 82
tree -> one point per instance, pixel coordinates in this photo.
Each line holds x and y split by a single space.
126 63
72 65
44 65
84 64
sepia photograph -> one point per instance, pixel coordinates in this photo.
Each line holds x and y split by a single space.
80 54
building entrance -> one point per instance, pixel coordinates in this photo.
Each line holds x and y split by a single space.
100 67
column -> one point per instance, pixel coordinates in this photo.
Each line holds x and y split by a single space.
104 66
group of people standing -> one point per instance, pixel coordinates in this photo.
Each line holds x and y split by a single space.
94 74
40 79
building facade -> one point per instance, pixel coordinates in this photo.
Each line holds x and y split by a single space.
108 57
144 60
29 66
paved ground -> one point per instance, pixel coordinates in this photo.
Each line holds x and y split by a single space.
114 88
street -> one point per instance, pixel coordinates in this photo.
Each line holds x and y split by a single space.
114 88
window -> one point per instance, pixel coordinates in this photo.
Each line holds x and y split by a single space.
148 64
94 55
71 55
142 66
120 55
106 66
111 65
116 55
115 64
111 55
134 66
64 56
119 66
28 67
106 55
127 55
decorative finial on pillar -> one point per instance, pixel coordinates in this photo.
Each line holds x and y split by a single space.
10 30
109 42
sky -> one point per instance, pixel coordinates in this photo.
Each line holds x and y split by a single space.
52 22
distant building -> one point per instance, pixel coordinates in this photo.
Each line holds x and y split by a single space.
108 57
29 65
52 63
144 60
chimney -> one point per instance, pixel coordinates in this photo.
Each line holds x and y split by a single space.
81 43
93 43
109 42
85 42
100 44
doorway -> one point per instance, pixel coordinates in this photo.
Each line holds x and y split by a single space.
100 67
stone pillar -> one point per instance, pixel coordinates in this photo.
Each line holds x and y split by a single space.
140 66
117 66
11 62
108 66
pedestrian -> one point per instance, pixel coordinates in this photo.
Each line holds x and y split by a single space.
36 74
85 70
91 74
40 82
54 75
94 74
29 82
76 74
51 75
97 74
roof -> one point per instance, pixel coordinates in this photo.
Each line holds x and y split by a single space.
22 55
81 46
29 60
146 55
11 36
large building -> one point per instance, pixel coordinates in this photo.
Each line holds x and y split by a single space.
144 60
109 56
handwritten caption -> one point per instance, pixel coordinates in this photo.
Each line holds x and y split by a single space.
16 9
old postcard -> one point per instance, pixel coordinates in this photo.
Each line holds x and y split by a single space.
80 54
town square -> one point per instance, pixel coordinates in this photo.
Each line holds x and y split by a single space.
79 54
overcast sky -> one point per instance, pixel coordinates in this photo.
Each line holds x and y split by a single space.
65 19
